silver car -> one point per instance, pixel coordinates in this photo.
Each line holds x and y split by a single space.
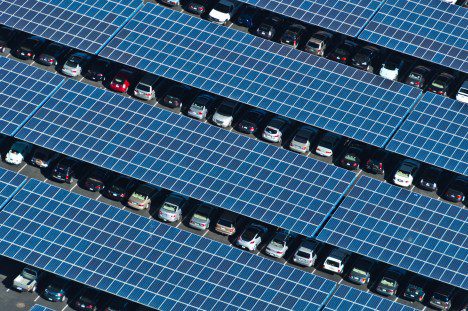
275 129
306 254
303 138
201 217
75 64
171 210
225 113
201 105
279 245
251 237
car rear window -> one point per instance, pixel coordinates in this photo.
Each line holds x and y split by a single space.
143 87
225 222
303 254
333 263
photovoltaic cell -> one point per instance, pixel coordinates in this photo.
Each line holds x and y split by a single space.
436 132
146 261
40 308
82 24
344 16
432 30
262 73
404 229
352 299
22 89
190 157
10 182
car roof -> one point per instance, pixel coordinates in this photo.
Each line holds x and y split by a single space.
146 189
175 198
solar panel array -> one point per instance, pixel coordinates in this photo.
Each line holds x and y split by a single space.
22 89
146 261
436 132
404 229
81 24
10 183
262 73
40 308
190 157
353 299
432 30
344 16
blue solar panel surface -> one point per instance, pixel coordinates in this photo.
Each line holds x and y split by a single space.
432 30
81 24
40 308
436 132
352 299
10 182
262 73
22 89
144 260
187 156
404 229
344 16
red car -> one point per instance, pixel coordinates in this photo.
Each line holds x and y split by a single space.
122 80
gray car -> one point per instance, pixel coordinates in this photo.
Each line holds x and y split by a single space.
307 253
303 138
201 217
360 273
201 106
171 210
279 245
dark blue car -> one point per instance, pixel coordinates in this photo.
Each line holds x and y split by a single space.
55 290
247 17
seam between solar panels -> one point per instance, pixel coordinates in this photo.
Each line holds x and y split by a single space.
369 19
9 198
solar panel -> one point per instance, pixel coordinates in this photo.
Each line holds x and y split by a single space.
10 183
82 24
432 30
344 16
436 132
353 299
404 229
23 89
146 261
190 157
262 73
40 308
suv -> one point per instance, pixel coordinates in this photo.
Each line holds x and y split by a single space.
75 64
226 223
415 289
171 209
462 94
367 58
303 139
456 189
307 253
361 270
328 144
392 67
279 245
223 11
388 284
419 76
177 96
318 43
269 27
96 180
29 47
442 84
141 197
201 106
351 158
145 89
251 120
120 188
66 170
43 157
18 152
343 53
442 297
251 237
225 113
429 178
201 217
275 129
98 70
405 172
27 280
336 260
376 162
293 35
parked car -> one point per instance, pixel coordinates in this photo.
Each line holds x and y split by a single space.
419 76
251 120
457 189
279 245
269 27
201 216
429 178
113 303
251 237
293 35
142 196
122 80
171 209
442 297
343 52
226 223
52 54
248 16
361 271
462 94
54 289
87 300
328 144
146 88
306 254
415 289
29 47
376 161
318 43
450 1
27 280
442 84
76 64
43 157
392 67
120 188
201 106
275 129
96 180
389 282
66 170
405 172
177 96
303 139
170 2
6 35
99 70
225 113
351 158
197 6
18 152
367 58
223 11
336 260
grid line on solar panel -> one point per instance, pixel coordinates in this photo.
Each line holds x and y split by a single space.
10 183
344 16
40 308
144 260
262 73
349 298
436 132
81 24
22 89
431 29
190 157
404 229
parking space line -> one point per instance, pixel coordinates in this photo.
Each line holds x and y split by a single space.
81 79
74 186
341 280
7 290
412 188
22 168
396 298
206 232
66 306
37 298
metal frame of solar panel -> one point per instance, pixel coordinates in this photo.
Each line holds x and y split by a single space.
23 89
190 157
40 308
146 261
436 132
353 299
262 73
432 30
10 183
344 16
83 24
404 229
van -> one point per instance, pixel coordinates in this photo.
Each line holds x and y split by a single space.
145 89
336 261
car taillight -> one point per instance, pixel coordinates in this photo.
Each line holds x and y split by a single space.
459 196
380 165
231 229
252 129
354 164
200 113
327 152
160 213
89 306
99 75
67 177
304 148
343 58
440 92
98 187
29 54
420 298
319 50
279 252
417 83
363 280
122 195
294 42
141 204
74 70
51 61
203 225
252 242
148 94
201 9
339 270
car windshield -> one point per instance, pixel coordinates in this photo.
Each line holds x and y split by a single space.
53 288
402 174
29 43
52 48
28 274
350 157
278 242
463 91
460 185
390 65
138 196
249 234
200 216
220 7
333 263
441 297
4 33
225 222
95 180
264 27
313 45
118 80
226 110
86 300
301 137
415 76
120 183
303 254
438 84
169 207
144 87
359 272
388 282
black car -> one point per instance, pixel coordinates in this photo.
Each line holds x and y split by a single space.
177 96
120 188
87 301
429 178
343 52
415 289
251 121
351 158
197 6
293 35
367 58
442 84
6 34
248 17
98 70
96 180
112 303
442 297
52 54
361 270
29 47
419 76
54 289
66 170
269 27
376 162
457 189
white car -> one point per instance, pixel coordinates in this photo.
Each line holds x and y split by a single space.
251 237
336 261
328 144
405 172
75 64
450 1
225 112
302 140
307 253
391 67
223 11
279 245
18 151
462 94
275 129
